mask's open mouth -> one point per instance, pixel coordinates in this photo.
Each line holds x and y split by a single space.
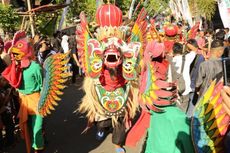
17 56
17 53
112 59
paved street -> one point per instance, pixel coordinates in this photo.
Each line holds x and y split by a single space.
64 127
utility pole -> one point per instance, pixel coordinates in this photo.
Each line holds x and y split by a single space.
31 18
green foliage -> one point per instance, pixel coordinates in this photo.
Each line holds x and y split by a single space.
46 23
205 8
123 5
156 6
76 6
9 20
89 7
59 1
152 6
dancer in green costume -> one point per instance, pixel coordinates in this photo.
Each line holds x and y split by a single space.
25 75
169 132
168 127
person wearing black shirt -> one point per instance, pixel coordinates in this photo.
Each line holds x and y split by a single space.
74 60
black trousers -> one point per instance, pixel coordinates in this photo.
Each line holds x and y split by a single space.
118 133
74 69
9 127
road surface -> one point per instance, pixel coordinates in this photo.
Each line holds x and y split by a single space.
64 127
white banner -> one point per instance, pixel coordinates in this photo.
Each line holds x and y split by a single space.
224 9
181 10
174 10
186 12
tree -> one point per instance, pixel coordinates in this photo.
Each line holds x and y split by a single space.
9 20
76 6
156 6
89 7
46 23
205 8
124 5
152 6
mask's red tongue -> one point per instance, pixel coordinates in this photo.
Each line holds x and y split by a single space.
13 73
112 83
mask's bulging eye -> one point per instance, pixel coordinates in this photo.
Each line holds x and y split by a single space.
20 45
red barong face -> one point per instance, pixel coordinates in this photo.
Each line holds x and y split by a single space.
111 53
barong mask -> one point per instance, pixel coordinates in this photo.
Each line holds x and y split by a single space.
111 52
110 57
109 48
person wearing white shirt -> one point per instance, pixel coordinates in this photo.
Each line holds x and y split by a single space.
65 44
185 65
65 47
178 63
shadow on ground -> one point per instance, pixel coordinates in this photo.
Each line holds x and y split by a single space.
64 127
